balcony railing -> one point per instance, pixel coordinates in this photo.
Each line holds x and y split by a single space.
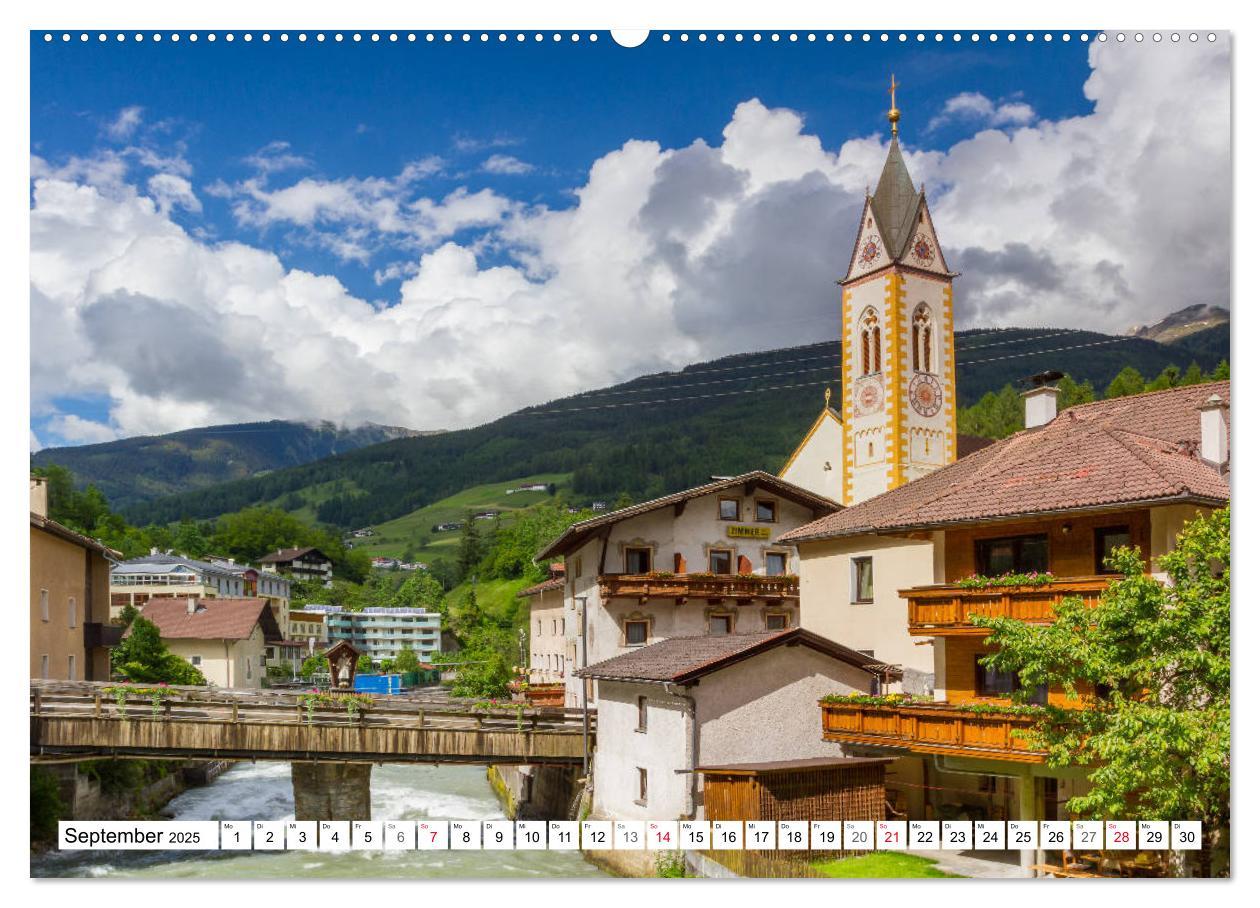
933 728
946 609
698 586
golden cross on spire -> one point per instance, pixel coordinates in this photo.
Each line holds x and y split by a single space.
893 113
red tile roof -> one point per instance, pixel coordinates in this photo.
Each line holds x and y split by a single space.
1106 454
555 583
214 619
684 659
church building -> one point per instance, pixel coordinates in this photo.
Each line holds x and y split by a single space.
897 418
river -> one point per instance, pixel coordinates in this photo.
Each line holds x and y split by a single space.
263 791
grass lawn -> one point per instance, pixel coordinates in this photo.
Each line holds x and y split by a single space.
495 596
414 530
882 865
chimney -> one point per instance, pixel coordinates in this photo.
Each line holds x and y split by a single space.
1214 431
1041 405
39 496
192 606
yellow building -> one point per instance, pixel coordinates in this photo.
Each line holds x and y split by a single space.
70 630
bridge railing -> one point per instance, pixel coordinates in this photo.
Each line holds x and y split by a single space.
200 704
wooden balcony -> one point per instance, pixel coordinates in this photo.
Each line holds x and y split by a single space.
681 587
946 609
930 728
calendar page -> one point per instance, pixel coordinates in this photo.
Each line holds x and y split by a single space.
514 447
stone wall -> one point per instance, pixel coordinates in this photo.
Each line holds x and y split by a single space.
535 792
332 791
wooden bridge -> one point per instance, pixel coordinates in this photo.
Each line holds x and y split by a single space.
76 720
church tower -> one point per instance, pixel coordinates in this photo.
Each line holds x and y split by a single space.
897 419
897 340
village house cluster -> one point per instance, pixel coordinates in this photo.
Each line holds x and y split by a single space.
229 620
708 626
716 630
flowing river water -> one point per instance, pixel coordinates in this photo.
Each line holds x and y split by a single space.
263 791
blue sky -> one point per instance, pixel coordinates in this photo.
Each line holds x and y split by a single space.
468 167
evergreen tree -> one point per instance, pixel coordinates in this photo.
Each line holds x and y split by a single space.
1127 381
1170 377
470 550
1221 372
142 657
1193 375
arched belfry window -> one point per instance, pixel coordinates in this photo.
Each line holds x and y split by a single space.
872 356
921 338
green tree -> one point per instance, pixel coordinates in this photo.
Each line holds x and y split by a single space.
1193 375
142 657
407 661
189 540
1072 393
420 590
470 550
317 663
1152 664
1127 381
995 415
483 667
364 665
1170 377
47 807
1221 372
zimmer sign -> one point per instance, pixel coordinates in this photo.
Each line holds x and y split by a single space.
748 532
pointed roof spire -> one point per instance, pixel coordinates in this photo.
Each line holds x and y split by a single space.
895 201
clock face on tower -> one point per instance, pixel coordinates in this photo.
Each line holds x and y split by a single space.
925 395
868 251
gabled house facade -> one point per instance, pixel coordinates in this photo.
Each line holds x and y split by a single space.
225 639
693 701
699 562
900 576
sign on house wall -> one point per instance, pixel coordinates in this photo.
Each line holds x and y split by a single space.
748 532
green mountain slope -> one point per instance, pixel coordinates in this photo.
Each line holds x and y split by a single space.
414 532
652 435
134 470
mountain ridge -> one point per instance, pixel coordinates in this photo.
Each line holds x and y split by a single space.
653 434
144 467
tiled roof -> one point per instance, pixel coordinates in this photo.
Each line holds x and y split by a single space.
1105 454
581 531
49 525
157 562
284 555
682 659
555 583
214 619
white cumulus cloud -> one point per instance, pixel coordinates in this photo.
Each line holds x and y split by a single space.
667 256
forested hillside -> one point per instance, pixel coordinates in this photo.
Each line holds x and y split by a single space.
138 469
657 433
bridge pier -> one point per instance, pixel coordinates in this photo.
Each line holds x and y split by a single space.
332 791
